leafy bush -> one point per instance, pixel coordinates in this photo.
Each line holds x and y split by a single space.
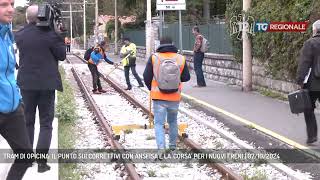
66 113
278 51
234 7
66 107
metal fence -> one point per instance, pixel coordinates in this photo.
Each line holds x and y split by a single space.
136 36
215 32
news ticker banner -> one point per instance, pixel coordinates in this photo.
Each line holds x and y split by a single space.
156 156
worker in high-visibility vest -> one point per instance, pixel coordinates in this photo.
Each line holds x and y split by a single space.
164 73
128 53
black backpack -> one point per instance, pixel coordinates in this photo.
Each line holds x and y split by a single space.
88 53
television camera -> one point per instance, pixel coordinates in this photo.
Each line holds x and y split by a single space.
50 16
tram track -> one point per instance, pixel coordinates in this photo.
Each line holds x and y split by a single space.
193 114
225 171
103 122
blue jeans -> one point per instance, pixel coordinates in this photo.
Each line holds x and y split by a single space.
198 60
161 110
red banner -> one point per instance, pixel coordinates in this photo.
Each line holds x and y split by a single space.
288 26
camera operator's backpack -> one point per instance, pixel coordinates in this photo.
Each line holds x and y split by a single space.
167 73
205 45
88 53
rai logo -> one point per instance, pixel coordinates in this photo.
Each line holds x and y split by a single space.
241 24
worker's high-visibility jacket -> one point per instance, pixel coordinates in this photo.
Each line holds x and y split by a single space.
128 53
155 91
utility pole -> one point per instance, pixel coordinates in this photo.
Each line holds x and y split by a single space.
96 21
84 3
161 24
206 10
148 30
115 28
180 33
84 26
71 35
246 53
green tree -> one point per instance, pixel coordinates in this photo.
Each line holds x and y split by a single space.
19 18
197 10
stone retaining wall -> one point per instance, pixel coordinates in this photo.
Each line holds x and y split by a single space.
225 69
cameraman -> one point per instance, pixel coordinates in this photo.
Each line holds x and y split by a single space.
40 50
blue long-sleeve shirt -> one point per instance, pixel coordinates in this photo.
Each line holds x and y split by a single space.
9 91
96 56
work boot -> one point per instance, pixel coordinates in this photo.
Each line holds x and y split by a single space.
95 91
128 88
102 91
43 167
198 86
159 156
310 141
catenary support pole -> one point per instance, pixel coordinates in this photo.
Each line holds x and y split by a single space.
180 33
71 33
247 57
96 22
148 30
84 26
115 27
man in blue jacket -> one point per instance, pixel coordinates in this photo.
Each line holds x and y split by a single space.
96 56
12 122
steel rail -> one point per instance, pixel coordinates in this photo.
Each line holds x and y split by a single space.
103 122
226 172
279 166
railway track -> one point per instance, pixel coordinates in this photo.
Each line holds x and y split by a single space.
210 133
113 140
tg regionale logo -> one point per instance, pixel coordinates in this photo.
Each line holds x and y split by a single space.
281 26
